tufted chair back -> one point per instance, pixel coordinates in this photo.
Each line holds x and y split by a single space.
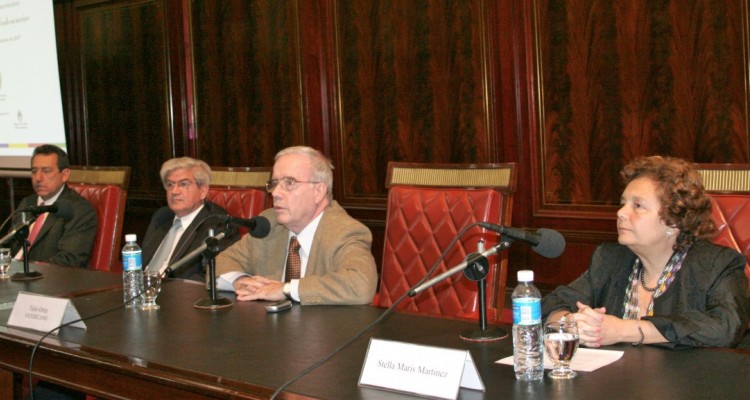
240 190
729 186
428 205
106 188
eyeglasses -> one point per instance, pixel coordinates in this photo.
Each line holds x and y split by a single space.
287 183
183 184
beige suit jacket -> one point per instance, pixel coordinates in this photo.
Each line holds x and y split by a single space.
340 268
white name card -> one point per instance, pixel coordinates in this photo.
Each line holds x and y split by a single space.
417 369
43 313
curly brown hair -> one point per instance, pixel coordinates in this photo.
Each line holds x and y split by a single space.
685 204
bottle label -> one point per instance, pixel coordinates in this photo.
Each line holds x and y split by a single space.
527 311
131 262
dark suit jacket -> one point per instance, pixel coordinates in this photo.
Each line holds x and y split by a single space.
192 238
63 242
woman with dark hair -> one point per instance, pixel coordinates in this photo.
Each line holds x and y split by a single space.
665 282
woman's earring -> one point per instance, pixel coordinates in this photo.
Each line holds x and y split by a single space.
669 234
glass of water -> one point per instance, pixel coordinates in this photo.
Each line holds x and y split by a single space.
4 262
151 289
560 344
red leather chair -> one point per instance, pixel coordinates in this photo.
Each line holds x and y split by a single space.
240 190
729 186
106 188
428 205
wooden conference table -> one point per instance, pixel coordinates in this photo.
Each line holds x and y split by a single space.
242 352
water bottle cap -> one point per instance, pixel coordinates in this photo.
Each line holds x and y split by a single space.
525 275
131 237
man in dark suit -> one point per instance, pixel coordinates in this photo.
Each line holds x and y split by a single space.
57 239
182 226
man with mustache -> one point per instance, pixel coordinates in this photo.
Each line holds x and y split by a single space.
52 238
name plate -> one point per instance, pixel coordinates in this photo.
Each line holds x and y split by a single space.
43 313
423 370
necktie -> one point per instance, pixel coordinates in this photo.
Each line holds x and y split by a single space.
36 228
162 254
293 262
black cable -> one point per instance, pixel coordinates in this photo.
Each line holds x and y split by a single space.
10 218
2 226
41 339
386 313
130 300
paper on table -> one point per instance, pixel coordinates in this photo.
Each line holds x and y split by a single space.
586 360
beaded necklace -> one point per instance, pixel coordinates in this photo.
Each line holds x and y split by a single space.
643 282
636 279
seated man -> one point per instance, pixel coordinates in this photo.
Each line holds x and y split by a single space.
330 259
56 239
182 226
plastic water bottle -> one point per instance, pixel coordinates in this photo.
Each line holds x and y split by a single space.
528 344
132 272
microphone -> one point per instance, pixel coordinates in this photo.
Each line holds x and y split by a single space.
63 209
189 256
545 242
258 226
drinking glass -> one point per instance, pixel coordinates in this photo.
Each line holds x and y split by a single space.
561 343
4 262
151 289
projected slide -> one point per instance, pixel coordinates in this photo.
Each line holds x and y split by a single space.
30 103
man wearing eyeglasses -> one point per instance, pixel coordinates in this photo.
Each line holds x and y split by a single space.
315 252
183 225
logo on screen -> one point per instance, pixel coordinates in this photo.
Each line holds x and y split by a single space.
20 124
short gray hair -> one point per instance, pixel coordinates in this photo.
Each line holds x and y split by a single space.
322 168
201 170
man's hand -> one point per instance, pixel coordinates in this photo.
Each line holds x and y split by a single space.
258 288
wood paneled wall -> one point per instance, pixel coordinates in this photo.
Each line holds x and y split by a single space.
570 90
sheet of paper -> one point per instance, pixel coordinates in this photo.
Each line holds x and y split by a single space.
586 360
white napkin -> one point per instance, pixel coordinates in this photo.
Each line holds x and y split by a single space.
584 360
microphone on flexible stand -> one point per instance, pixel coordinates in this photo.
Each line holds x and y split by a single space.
259 227
56 207
61 208
546 242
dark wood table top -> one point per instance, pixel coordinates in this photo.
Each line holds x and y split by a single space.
244 352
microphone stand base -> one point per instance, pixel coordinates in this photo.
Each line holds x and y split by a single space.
26 276
213 304
484 335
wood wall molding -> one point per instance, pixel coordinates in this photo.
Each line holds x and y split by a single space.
568 93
